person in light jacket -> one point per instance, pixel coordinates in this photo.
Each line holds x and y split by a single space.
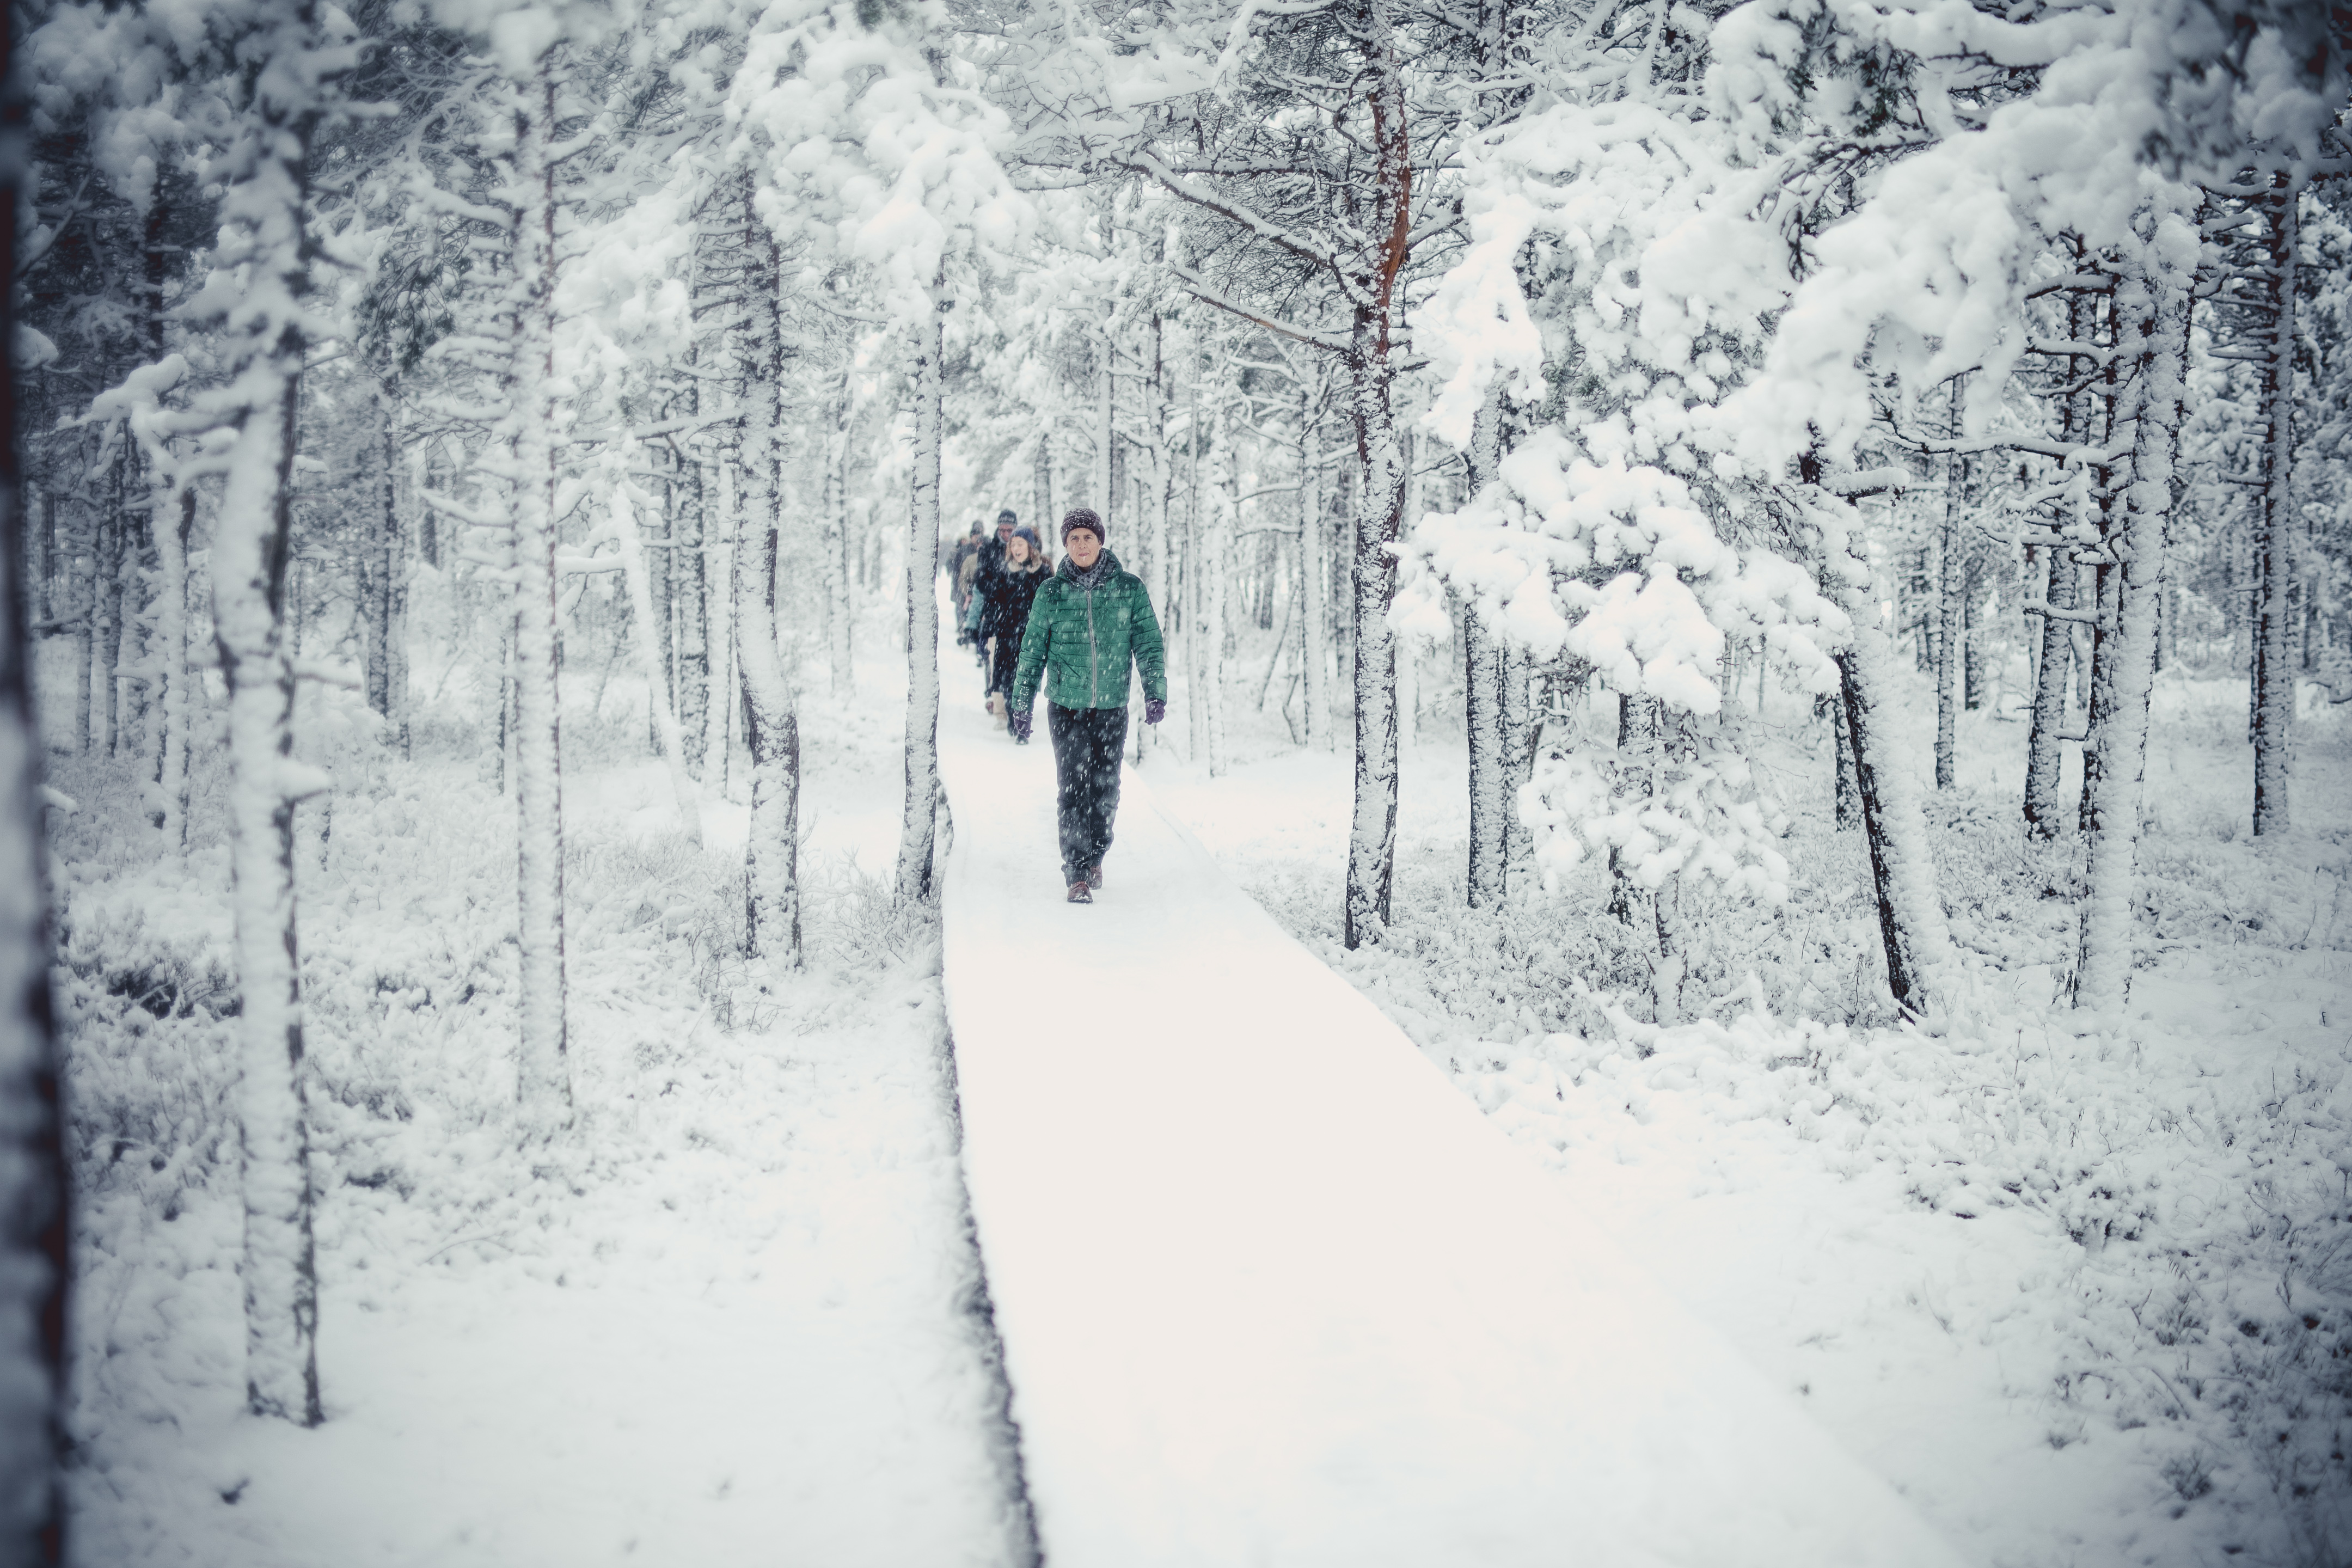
1090 622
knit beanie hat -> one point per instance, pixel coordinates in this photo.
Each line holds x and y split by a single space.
1084 518
1029 534
1007 515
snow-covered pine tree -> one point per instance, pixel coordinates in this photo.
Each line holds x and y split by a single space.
2256 218
257 297
770 708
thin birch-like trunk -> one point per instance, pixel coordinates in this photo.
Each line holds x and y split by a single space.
81 595
1911 925
1315 578
834 542
1847 803
2045 814
2087 320
1217 554
720 539
1379 507
380 555
1098 476
1948 609
918 820
1156 480
175 708
544 1080
1484 659
106 680
771 895
639 584
263 240
2274 552
2152 304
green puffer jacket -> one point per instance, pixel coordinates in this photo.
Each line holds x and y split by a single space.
1081 639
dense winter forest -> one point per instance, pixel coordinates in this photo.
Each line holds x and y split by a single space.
1772 581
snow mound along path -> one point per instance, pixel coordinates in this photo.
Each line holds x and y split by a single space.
1272 1292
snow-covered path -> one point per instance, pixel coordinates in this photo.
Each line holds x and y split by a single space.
1272 1292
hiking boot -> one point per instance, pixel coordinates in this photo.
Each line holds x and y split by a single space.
1080 895
1094 876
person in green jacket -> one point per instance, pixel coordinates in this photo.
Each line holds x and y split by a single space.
1089 622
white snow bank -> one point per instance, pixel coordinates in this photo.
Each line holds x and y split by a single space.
1272 1292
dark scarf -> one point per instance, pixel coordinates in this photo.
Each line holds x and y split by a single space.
1104 568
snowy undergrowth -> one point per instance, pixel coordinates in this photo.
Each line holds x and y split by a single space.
2084 1289
730 1313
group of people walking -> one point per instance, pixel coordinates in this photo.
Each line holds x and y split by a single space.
1076 629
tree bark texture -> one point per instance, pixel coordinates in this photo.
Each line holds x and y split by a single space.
1484 659
544 1080
2275 569
772 893
918 820
2152 304
264 207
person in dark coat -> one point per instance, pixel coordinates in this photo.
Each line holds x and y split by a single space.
965 548
1005 599
986 562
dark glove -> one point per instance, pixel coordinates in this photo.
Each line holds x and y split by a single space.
1019 723
1155 708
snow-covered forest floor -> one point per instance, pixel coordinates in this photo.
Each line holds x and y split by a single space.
2084 1297
733 1322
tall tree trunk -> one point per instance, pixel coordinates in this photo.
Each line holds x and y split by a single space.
1520 721
1217 553
1040 476
2087 320
380 557
1848 801
689 602
2045 813
1156 481
33 1184
544 1080
772 893
2151 305
1947 588
176 708
671 739
1911 926
1484 658
719 537
834 542
81 599
656 630
1315 578
105 682
396 590
1380 496
263 239
1193 590
919 818
1099 473
1379 507
2274 526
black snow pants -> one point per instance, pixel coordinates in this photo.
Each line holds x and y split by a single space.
1087 743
